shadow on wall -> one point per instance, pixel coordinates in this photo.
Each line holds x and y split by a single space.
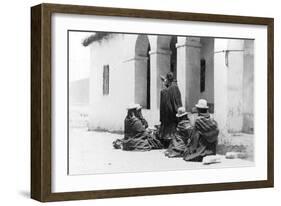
24 193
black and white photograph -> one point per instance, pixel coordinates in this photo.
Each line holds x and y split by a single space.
158 102
131 102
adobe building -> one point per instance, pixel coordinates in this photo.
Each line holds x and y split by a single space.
126 68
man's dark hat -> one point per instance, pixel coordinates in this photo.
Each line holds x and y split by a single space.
170 76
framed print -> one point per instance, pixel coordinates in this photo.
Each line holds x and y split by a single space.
128 102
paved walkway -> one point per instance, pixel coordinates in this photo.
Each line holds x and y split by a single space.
91 152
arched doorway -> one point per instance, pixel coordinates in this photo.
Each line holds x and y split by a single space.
166 45
142 71
173 55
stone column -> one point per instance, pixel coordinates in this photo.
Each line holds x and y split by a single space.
235 67
159 65
182 67
220 84
141 80
248 87
188 69
228 74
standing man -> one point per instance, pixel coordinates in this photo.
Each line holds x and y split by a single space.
170 101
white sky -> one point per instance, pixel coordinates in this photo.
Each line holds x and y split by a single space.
79 56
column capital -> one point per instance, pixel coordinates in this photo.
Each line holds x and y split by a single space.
189 43
161 51
136 58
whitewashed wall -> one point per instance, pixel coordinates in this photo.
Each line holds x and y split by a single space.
234 85
108 112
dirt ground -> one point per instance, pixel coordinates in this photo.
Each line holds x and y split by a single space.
91 152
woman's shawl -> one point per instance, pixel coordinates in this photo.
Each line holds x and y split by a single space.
180 140
207 127
144 122
133 127
137 138
204 140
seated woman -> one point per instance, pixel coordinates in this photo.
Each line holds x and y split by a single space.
204 141
136 136
183 133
